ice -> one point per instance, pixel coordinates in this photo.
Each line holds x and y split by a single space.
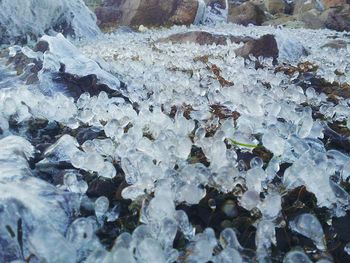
29 210
296 256
228 239
74 184
249 200
265 237
101 206
36 17
309 226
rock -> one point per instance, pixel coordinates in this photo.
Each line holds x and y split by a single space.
202 38
333 3
312 19
265 46
246 13
302 6
339 18
185 12
147 12
336 44
275 6
285 21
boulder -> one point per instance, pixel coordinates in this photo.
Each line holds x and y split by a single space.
265 46
338 18
313 19
147 12
245 14
275 6
185 13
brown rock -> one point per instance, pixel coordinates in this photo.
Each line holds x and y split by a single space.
336 44
246 13
202 38
146 12
275 6
339 18
265 46
185 12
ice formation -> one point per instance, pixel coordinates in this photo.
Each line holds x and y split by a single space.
173 99
34 18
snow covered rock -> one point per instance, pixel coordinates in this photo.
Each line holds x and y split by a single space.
23 20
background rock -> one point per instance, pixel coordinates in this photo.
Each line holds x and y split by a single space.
275 6
246 13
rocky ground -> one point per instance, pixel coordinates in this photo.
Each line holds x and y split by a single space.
185 131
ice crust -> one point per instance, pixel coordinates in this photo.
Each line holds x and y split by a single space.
153 148
34 18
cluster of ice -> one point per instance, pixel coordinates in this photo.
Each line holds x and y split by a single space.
34 18
152 144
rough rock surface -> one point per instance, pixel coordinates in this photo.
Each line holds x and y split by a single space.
147 12
265 46
245 14
275 6
202 38
339 18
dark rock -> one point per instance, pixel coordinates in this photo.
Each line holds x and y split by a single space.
245 14
339 18
75 85
265 46
202 38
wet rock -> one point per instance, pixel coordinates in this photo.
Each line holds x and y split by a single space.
265 46
74 85
275 6
245 14
202 38
339 18
286 21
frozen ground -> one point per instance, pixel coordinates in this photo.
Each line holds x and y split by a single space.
260 137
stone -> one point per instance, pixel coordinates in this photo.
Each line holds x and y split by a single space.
202 38
245 14
336 44
333 3
312 19
275 6
265 46
146 12
302 6
339 18
185 12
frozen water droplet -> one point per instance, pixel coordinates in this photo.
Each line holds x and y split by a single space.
249 200
256 162
108 170
101 206
229 239
296 256
309 226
